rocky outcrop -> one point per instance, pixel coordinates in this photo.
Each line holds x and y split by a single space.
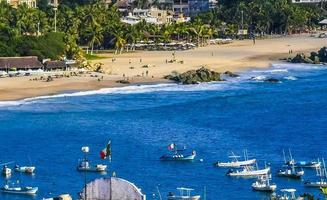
301 58
314 58
271 80
123 81
231 74
196 76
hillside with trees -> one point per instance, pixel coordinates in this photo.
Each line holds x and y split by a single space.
29 31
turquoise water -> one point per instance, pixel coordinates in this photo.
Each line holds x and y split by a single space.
141 121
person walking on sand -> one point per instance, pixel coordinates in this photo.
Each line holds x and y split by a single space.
140 60
146 73
130 61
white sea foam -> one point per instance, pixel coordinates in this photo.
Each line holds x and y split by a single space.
134 89
291 78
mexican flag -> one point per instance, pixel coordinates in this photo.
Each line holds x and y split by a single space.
106 152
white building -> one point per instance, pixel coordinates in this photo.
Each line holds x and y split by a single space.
29 3
307 1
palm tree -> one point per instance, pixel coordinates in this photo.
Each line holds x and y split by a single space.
120 41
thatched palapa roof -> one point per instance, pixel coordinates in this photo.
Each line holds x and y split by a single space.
29 62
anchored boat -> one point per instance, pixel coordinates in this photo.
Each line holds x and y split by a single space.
290 172
287 194
324 190
25 169
185 194
84 164
235 162
60 197
248 171
300 164
19 190
178 154
322 174
263 184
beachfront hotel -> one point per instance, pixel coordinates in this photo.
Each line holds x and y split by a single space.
29 3
189 7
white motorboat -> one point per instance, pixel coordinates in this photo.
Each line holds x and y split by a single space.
322 174
185 194
263 184
19 190
60 197
25 169
84 165
235 162
287 194
248 171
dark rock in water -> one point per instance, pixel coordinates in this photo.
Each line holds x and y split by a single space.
322 54
272 80
231 74
196 76
314 57
123 82
301 58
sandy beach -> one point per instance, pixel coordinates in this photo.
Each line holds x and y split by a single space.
240 55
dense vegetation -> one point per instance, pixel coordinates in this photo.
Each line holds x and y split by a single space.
28 31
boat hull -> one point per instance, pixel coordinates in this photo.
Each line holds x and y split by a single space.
28 170
176 158
31 191
270 188
246 173
184 197
236 164
315 184
92 169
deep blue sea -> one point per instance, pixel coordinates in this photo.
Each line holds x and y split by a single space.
141 121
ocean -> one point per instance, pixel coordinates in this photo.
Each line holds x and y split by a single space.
141 121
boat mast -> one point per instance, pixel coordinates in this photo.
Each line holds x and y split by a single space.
291 155
159 193
284 157
325 172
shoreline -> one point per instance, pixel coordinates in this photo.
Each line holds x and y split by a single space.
235 57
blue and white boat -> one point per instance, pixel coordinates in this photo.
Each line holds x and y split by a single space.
178 154
322 177
19 190
301 164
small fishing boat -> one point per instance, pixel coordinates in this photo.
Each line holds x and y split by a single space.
263 184
25 169
324 190
60 197
178 154
19 190
84 165
290 172
235 162
322 174
184 194
300 164
248 171
6 171
287 194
